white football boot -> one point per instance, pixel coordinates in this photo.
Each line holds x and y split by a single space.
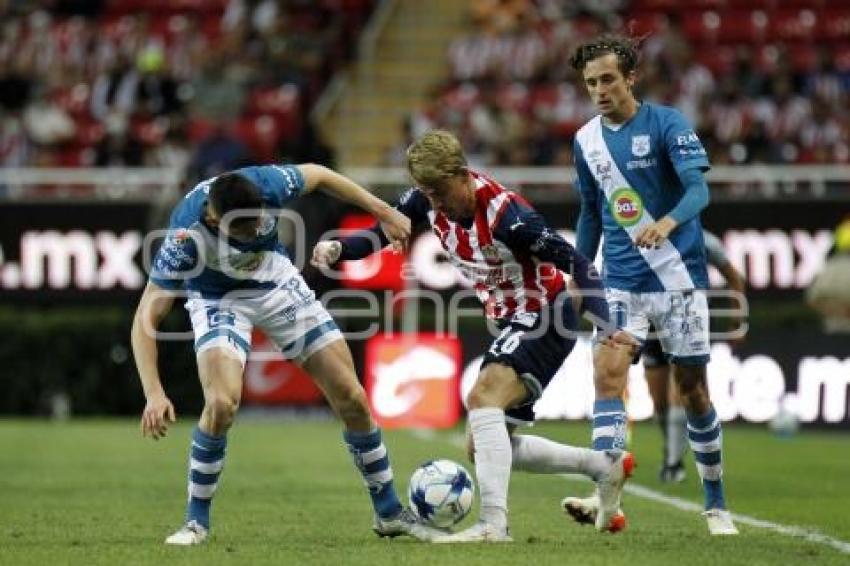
405 523
583 510
191 533
610 487
479 532
720 522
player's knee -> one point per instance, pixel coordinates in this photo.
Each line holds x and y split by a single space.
695 397
693 388
221 410
610 370
478 398
485 392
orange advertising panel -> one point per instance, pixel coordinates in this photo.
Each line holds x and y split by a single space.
413 380
271 379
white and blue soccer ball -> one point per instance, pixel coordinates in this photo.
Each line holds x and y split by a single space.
785 424
441 493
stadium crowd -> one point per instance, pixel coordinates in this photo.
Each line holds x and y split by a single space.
764 81
119 82
203 84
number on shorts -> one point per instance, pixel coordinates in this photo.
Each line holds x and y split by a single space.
218 317
297 292
507 342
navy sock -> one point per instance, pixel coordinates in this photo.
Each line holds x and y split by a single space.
609 424
205 463
370 457
706 440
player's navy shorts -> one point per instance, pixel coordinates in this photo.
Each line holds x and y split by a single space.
535 345
653 354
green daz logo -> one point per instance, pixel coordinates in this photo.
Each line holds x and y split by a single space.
626 206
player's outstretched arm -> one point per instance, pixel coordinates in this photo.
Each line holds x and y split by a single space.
153 306
412 205
395 225
695 199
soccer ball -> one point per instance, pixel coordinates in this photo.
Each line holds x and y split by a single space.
785 424
441 493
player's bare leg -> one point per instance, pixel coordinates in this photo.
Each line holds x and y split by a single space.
671 418
332 369
706 439
220 371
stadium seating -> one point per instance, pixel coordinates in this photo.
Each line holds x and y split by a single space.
181 34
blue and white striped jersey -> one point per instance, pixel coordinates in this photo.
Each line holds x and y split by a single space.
196 257
628 177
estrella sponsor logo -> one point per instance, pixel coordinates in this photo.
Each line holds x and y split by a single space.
626 206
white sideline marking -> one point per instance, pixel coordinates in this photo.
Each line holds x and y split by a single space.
811 535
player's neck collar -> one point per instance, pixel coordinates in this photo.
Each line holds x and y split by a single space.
620 125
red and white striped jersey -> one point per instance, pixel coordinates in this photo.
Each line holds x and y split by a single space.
508 280
516 263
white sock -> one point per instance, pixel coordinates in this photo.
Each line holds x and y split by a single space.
492 463
543 456
677 442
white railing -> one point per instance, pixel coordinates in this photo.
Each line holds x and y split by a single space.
556 183
148 184
162 185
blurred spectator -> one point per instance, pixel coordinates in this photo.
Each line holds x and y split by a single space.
45 123
829 293
751 100
14 87
496 126
173 151
824 140
215 94
15 150
219 152
115 90
157 91
826 82
104 82
119 147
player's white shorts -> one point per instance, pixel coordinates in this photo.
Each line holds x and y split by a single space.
289 315
680 319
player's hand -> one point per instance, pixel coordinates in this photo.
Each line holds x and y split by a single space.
655 234
157 414
325 254
396 226
622 339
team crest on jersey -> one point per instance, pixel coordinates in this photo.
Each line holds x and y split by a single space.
626 206
640 145
490 253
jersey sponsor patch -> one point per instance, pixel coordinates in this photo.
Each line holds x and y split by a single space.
626 206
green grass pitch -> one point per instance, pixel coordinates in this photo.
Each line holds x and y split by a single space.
95 492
